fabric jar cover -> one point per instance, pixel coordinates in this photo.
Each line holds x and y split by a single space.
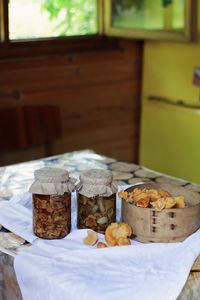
96 182
52 181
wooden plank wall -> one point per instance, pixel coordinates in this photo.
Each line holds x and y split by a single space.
98 95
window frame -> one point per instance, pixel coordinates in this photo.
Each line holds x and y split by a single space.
51 46
4 21
188 34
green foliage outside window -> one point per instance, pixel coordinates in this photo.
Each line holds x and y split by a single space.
77 15
32 19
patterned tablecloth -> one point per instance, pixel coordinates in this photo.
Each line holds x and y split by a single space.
16 179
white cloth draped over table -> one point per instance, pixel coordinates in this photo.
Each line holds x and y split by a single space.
68 269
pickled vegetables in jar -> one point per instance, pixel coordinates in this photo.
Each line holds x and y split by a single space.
96 212
96 200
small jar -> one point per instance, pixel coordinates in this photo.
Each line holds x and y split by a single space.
96 200
52 203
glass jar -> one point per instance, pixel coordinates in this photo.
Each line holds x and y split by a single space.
51 215
52 203
96 200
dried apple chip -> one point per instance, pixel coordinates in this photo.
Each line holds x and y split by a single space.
117 232
110 239
153 194
180 202
91 238
158 199
159 204
170 202
164 193
123 195
139 194
143 202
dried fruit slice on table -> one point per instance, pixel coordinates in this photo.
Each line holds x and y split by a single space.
116 234
91 238
101 245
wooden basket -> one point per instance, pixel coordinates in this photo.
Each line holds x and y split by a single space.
168 225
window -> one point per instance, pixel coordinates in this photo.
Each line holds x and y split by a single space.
35 27
173 20
33 19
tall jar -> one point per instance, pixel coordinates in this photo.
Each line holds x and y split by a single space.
52 202
96 200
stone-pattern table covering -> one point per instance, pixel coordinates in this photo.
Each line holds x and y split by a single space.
17 178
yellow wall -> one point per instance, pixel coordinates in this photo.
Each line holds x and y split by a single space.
168 69
168 72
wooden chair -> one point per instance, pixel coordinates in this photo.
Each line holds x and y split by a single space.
27 126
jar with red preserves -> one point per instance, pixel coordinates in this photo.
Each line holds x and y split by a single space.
52 202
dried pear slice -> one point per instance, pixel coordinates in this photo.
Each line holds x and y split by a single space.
123 195
180 202
159 204
170 202
108 234
91 238
143 202
164 194
116 232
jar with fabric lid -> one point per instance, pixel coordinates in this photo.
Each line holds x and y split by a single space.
96 197
52 202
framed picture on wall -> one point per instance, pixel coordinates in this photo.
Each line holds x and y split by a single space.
151 19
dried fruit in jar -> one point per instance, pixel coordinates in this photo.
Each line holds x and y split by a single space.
91 238
116 234
51 215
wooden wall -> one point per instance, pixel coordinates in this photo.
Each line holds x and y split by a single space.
98 94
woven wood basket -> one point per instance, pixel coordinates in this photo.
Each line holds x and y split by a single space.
168 225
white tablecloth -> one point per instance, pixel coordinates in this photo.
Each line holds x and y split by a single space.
68 269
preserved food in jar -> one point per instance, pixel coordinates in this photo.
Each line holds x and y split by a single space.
96 212
96 200
52 203
51 215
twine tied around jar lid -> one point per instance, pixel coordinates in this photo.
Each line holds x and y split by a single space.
52 181
96 182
